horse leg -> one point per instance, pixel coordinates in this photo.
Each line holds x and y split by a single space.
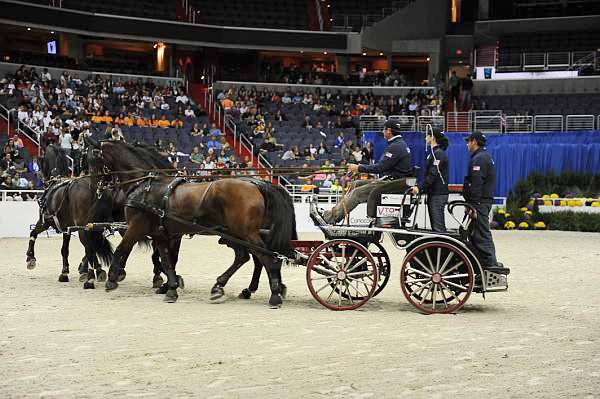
64 276
85 261
273 267
120 256
166 247
157 281
40 226
241 257
247 292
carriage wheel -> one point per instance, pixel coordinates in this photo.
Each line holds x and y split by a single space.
341 275
384 265
437 277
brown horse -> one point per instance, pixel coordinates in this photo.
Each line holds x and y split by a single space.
165 208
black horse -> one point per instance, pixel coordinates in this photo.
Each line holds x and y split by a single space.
237 208
55 163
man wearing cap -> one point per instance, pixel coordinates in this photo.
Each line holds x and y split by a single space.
393 168
478 191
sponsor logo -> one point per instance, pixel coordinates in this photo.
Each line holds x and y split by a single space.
392 199
385 211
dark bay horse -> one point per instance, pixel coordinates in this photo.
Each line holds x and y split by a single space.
55 163
161 206
69 202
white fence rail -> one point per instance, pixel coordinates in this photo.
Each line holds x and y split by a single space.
407 123
580 122
548 123
488 124
519 124
434 121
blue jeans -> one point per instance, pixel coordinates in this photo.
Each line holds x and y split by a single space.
435 207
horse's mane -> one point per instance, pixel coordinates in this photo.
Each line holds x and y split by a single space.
142 155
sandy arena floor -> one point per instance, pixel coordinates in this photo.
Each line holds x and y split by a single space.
539 340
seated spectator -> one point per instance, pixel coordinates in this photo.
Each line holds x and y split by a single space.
97 118
323 150
307 123
289 154
65 140
141 122
19 165
340 140
196 131
107 118
17 141
224 144
163 122
214 130
196 156
120 119
19 181
34 166
29 196
182 98
189 112
223 157
6 163
357 154
177 123
336 187
213 143
227 103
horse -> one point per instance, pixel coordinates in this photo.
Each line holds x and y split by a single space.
69 202
165 208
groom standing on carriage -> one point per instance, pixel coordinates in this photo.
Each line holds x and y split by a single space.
393 169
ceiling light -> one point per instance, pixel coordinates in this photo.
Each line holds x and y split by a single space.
380 53
364 53
52 32
325 52
428 59
28 28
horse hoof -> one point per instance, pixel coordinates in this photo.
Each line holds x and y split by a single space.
180 282
83 277
275 301
245 294
122 275
283 290
63 278
162 289
31 263
216 292
88 285
101 276
157 282
110 285
171 296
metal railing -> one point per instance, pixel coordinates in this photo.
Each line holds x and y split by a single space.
407 123
548 123
580 122
372 122
523 61
6 193
434 121
458 121
519 124
488 124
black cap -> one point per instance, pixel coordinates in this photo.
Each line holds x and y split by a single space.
477 136
395 126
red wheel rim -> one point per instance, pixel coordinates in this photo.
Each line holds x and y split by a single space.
437 277
341 275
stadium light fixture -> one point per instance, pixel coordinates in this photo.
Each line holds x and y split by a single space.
381 54
325 52
52 32
28 28
428 59
364 54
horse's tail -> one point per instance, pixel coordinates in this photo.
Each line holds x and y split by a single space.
101 245
280 216
101 212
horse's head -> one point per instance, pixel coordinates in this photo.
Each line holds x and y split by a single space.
95 156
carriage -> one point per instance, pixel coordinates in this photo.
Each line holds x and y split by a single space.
438 274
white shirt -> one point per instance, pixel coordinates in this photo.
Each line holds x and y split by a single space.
65 141
182 99
164 106
190 113
46 76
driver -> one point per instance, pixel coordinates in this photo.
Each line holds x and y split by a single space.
393 168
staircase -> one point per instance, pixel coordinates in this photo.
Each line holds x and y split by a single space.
199 93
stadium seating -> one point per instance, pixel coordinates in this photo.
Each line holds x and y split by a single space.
276 14
153 9
564 104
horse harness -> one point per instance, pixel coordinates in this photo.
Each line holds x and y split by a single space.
54 185
164 215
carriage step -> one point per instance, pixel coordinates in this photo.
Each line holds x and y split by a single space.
495 281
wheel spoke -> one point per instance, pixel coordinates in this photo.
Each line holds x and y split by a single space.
359 263
423 286
425 296
422 265
450 291
321 270
453 268
443 295
351 259
435 286
418 272
327 261
460 287
428 256
321 289
448 259
332 291
419 280
365 273
437 263
339 292
349 294
455 276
